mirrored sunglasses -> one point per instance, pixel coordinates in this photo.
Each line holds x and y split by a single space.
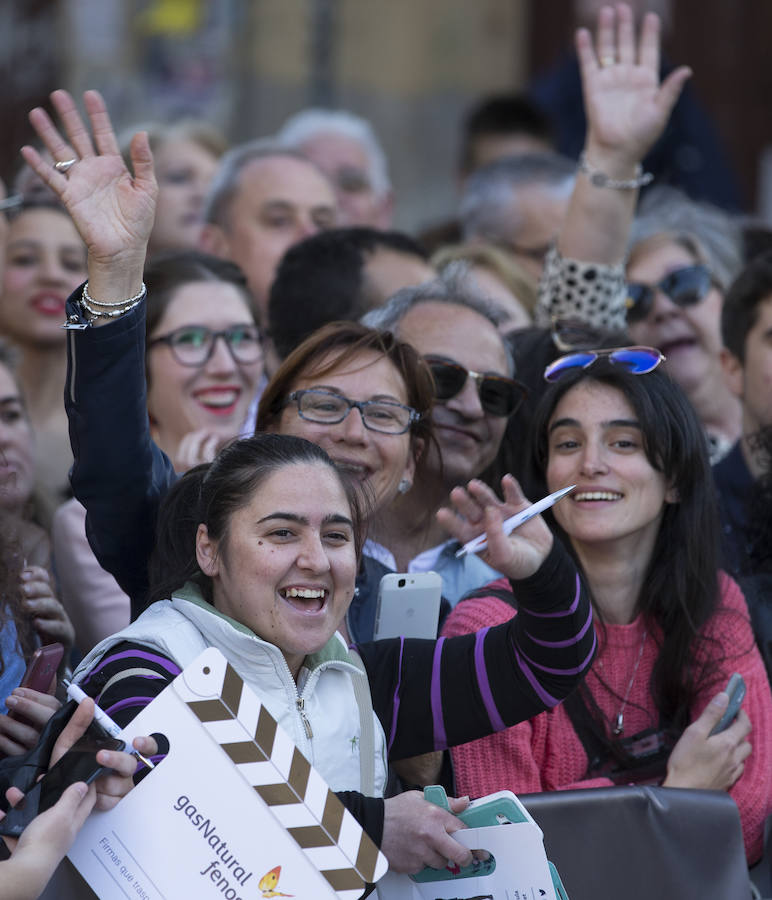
685 287
499 395
636 360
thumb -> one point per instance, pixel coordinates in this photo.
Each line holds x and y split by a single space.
671 87
458 804
711 716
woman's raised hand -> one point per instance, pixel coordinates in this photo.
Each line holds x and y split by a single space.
477 509
627 107
112 210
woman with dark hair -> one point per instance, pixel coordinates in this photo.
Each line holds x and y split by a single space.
199 389
671 628
257 554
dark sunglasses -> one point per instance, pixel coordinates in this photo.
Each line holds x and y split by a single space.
685 287
636 360
499 395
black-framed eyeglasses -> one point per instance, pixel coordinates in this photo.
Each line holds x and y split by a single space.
499 395
685 287
328 408
193 345
636 360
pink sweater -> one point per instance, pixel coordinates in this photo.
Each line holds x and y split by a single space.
544 753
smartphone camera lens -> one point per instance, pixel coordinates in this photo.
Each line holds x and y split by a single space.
401 582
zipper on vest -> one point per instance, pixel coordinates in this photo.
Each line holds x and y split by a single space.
301 703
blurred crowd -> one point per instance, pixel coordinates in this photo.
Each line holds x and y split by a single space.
247 340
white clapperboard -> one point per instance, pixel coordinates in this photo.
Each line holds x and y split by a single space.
235 811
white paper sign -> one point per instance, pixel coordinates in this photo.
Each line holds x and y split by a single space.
520 872
234 811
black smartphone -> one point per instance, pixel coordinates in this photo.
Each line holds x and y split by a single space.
736 690
78 764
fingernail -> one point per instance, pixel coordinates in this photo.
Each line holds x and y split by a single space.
81 788
11 701
31 604
26 575
721 699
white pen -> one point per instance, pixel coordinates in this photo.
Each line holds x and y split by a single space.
509 525
112 728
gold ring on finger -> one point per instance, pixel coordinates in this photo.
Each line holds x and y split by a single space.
606 61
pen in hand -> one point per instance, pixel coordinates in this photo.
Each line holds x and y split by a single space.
480 543
77 694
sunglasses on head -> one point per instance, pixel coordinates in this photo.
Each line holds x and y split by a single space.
499 395
636 360
685 287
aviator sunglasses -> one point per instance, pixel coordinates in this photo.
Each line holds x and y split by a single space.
499 395
685 287
636 360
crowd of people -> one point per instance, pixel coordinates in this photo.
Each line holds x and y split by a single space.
272 400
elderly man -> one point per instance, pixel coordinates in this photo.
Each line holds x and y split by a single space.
456 331
264 198
519 203
346 149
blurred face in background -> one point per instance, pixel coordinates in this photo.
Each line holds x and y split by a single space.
17 446
279 201
184 170
45 261
214 394
689 336
345 162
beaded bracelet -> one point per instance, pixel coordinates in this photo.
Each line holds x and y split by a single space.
601 179
114 310
87 298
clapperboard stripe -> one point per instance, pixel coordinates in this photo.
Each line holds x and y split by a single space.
326 832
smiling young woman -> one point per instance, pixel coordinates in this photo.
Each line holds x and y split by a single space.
257 554
671 628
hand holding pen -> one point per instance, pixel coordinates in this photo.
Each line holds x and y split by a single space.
477 509
76 693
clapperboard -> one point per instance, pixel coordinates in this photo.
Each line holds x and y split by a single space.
235 811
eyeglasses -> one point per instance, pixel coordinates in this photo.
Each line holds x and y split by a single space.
685 287
636 360
499 395
351 180
329 408
193 345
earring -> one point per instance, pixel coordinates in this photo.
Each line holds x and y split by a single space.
404 485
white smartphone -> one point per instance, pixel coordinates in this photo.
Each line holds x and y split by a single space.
408 605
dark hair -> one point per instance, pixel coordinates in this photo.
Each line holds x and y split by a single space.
168 272
503 114
322 279
680 587
740 311
324 351
211 493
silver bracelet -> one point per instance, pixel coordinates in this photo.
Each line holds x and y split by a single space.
92 313
602 180
87 298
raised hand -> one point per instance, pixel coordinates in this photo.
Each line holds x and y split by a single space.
627 108
112 210
477 509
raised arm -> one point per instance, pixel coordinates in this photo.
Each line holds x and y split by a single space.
119 474
627 110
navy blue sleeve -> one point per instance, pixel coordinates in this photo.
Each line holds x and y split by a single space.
119 474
